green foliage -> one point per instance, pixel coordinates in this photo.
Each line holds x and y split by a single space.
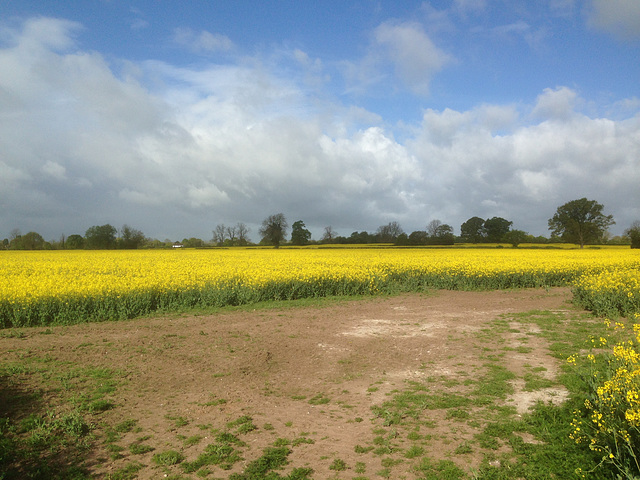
633 232
100 237
580 221
299 234
472 230
168 458
274 229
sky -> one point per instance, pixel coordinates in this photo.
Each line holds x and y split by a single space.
173 117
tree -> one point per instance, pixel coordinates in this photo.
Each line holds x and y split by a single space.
193 242
419 237
74 242
28 241
440 233
633 232
231 234
299 234
130 238
389 233
432 227
329 235
274 229
473 230
242 231
515 237
100 237
219 234
496 228
580 221
32 241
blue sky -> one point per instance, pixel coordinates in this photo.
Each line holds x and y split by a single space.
173 117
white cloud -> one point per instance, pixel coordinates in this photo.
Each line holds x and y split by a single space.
203 42
618 17
556 104
415 57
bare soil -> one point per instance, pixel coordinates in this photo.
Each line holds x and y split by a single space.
268 364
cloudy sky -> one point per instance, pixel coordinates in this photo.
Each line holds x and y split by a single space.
176 116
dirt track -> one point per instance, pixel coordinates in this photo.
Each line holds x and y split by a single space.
269 364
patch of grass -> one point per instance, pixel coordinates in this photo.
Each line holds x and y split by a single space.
223 453
536 382
128 472
338 465
443 470
242 424
168 458
177 421
140 448
414 451
319 399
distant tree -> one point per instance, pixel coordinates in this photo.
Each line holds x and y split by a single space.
633 232
389 233
193 242
74 242
5 243
360 238
432 227
130 238
28 241
242 231
496 228
32 241
419 237
580 221
100 237
515 237
299 234
442 235
472 230
219 234
274 229
232 232
329 235
402 239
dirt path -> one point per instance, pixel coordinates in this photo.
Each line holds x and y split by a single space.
310 372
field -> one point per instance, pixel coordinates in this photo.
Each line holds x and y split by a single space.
346 364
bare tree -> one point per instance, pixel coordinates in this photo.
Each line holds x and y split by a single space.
242 231
432 227
389 233
219 234
329 235
231 234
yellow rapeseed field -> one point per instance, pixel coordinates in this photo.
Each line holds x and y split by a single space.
41 287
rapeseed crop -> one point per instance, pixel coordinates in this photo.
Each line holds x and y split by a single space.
62 287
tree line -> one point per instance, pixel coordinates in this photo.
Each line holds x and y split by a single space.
579 221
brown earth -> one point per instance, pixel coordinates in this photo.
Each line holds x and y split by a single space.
268 364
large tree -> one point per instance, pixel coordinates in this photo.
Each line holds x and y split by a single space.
100 237
299 234
130 238
274 229
473 230
580 221
496 228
